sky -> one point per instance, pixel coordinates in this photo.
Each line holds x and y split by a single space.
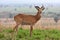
32 2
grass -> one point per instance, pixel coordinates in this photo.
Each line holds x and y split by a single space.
22 34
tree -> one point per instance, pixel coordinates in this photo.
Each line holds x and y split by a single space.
10 15
56 19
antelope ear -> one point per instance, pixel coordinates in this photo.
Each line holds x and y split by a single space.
37 7
42 7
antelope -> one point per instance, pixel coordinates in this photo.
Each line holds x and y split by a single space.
28 19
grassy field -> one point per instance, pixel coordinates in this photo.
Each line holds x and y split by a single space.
8 34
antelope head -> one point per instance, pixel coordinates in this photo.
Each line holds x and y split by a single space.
40 9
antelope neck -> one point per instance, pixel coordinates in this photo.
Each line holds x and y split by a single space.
38 13
37 16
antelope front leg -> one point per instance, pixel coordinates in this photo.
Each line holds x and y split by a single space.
31 28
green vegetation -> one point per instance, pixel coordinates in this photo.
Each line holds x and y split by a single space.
22 34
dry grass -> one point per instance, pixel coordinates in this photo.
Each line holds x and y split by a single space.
44 23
